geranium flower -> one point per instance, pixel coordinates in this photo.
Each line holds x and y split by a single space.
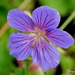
39 31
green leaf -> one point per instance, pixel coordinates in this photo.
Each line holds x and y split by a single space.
20 71
66 62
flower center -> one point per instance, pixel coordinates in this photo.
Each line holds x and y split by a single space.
39 34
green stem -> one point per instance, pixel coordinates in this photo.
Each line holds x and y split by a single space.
70 18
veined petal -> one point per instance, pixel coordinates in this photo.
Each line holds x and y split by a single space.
60 38
19 20
45 17
20 45
45 55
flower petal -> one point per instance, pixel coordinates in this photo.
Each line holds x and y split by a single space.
60 38
20 45
45 17
45 55
19 20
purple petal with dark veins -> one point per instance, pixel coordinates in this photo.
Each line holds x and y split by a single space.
45 17
45 55
60 38
20 45
20 21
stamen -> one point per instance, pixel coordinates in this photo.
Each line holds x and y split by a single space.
38 34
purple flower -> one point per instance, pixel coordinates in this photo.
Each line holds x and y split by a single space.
39 31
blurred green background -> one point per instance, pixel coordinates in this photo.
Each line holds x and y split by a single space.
9 65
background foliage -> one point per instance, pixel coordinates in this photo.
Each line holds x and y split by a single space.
9 65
